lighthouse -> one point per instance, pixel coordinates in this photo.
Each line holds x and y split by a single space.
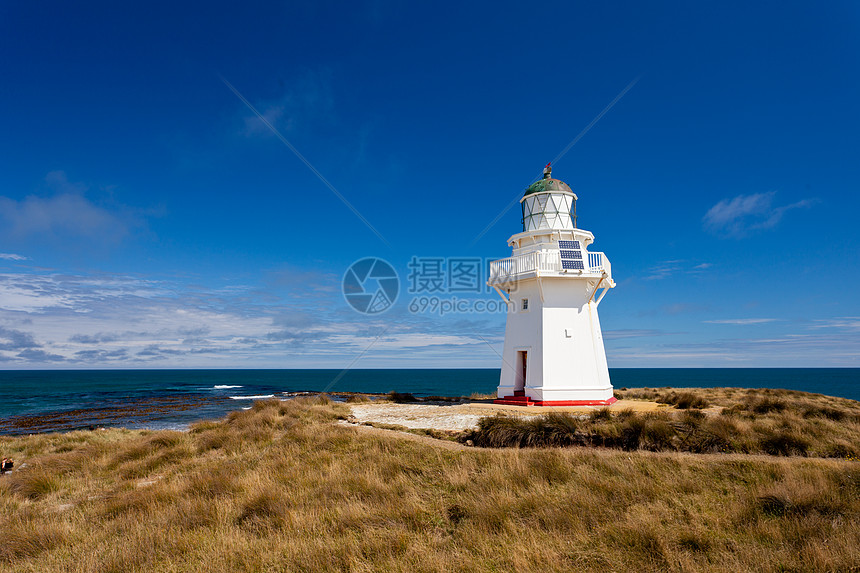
552 285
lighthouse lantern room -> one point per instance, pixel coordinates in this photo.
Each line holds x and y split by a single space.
552 285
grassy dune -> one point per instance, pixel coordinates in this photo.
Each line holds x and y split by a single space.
701 420
283 487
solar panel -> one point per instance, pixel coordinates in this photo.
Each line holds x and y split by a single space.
571 255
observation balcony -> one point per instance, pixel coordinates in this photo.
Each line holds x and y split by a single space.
548 264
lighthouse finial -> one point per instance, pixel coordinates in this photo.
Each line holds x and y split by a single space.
547 171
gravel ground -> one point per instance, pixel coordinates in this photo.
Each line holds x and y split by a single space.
462 416
439 417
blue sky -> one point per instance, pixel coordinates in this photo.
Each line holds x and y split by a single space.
148 218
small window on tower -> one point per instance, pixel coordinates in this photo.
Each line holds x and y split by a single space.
525 304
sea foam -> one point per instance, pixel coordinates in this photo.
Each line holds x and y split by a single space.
252 397
225 387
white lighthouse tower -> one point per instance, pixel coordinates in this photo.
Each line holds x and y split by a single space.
554 352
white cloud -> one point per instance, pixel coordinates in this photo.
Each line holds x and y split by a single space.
407 341
125 321
742 321
33 293
23 293
737 217
631 333
61 215
65 216
665 269
307 101
11 339
272 114
822 349
12 257
55 320
851 323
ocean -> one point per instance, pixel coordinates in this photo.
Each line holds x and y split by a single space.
61 400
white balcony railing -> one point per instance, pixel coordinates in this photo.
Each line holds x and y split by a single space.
544 263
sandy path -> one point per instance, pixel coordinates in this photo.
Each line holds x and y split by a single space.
427 440
465 416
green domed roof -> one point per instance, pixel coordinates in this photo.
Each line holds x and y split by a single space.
548 184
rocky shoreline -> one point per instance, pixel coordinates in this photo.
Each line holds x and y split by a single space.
443 413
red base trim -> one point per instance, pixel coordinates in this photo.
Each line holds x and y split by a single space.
526 401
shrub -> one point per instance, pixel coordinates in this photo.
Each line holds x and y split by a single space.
612 435
401 397
692 418
560 428
442 399
645 545
841 449
626 413
204 426
824 412
630 434
727 436
702 441
69 461
194 513
456 513
266 508
692 542
784 443
165 439
133 501
602 414
733 411
638 394
265 404
774 505
687 400
215 482
684 400
23 539
656 435
212 439
766 405
688 430
33 483
500 431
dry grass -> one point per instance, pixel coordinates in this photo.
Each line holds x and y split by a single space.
451 435
282 488
774 422
684 400
684 431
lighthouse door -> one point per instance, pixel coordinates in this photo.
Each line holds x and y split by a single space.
522 368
